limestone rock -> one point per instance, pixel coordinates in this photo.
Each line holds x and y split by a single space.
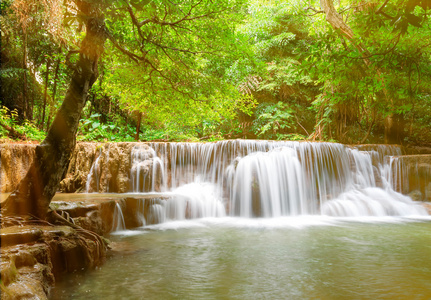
15 160
79 167
28 269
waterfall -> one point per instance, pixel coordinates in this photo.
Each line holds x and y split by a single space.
403 175
146 168
249 178
156 214
93 177
118 222
195 200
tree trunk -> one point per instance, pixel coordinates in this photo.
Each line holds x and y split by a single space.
35 191
54 92
394 129
138 125
27 111
48 63
336 21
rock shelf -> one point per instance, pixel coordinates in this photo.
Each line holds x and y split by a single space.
36 254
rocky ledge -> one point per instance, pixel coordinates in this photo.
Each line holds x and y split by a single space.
35 254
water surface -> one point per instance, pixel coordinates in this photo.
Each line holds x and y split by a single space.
307 257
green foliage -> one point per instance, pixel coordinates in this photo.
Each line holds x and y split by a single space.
272 120
92 129
10 118
384 71
206 70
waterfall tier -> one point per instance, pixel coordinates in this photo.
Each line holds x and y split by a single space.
262 179
245 178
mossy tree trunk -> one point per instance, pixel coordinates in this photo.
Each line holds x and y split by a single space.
35 191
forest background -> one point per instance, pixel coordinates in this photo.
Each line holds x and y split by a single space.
345 71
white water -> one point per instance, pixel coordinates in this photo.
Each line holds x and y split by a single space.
93 177
118 223
267 179
146 167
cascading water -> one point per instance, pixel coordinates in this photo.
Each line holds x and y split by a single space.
267 179
146 168
363 197
195 200
404 176
93 176
118 222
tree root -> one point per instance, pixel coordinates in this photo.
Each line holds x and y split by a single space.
100 241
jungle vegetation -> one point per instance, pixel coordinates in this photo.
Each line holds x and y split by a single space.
346 71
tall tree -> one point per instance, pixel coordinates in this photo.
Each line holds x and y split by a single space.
157 25
36 189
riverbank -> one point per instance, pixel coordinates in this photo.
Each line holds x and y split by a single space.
36 254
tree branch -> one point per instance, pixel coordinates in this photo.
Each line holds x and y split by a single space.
315 11
132 56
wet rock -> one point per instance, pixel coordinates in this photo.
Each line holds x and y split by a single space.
27 270
91 214
33 257
106 167
91 221
79 167
15 160
412 150
19 235
26 288
23 276
427 206
428 192
110 170
138 211
75 183
8 271
415 195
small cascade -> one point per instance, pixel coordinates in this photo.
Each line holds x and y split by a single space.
404 175
190 201
395 174
156 214
269 184
93 177
118 222
147 172
372 202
